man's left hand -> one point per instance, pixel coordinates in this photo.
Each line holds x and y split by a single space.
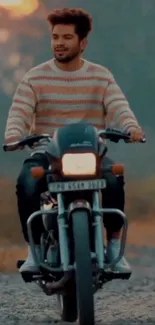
137 135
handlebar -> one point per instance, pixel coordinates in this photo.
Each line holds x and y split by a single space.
27 141
113 135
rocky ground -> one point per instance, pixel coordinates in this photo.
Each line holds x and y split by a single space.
118 303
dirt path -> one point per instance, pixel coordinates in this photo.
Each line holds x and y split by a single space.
118 303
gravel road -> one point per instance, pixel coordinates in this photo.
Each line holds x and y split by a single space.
118 303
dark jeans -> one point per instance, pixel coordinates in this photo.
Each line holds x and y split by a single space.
28 192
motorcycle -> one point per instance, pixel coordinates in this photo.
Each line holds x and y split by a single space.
73 263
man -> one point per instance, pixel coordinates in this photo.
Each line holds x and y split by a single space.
68 89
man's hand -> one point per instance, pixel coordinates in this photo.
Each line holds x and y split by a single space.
12 147
137 135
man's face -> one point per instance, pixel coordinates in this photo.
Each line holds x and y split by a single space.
65 43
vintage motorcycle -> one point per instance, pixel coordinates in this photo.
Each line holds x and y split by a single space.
73 262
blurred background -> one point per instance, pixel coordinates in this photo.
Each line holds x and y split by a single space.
123 40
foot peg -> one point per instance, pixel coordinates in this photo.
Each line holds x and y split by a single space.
19 263
31 277
109 275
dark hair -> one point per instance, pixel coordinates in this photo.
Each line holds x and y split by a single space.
72 16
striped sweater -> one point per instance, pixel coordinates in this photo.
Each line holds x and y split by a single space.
48 98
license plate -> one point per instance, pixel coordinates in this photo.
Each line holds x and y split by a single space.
58 187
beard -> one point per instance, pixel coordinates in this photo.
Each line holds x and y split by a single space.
68 58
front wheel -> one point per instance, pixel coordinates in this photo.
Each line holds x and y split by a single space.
84 280
68 307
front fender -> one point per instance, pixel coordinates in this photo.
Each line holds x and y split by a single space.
79 205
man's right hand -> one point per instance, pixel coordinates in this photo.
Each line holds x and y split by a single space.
13 147
11 143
